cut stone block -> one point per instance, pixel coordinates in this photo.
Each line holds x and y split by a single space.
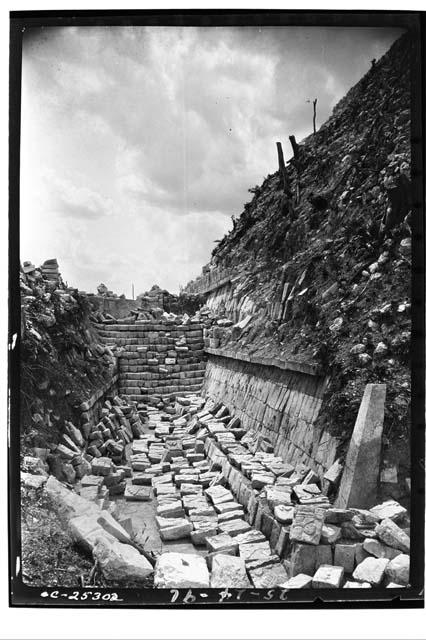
121 563
110 525
92 481
222 542
234 527
231 515
137 492
249 537
344 556
199 536
181 571
307 525
227 506
303 559
337 516
392 535
301 581
253 552
284 514
351 584
269 576
277 496
228 571
371 570
324 555
178 530
327 577
260 480
171 510
358 485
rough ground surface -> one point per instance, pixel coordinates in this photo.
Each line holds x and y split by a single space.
343 246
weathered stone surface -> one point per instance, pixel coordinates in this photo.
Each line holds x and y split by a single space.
228 571
71 502
284 513
269 576
392 535
330 533
121 562
371 570
137 492
249 536
303 559
181 528
260 480
307 525
227 506
91 480
389 509
113 527
221 543
277 496
234 527
199 535
327 577
344 556
337 516
324 555
231 515
358 485
171 510
86 531
379 549
301 581
180 571
254 552
398 569
33 481
352 584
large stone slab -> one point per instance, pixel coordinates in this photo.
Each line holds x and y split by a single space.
389 509
137 492
68 501
121 562
181 571
87 531
228 571
358 485
180 528
254 552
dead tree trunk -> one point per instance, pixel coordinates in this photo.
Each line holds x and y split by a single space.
296 156
282 170
315 114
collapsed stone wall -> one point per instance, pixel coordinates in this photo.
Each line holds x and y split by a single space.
156 359
281 405
117 307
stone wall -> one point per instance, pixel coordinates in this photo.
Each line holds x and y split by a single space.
156 359
117 307
281 404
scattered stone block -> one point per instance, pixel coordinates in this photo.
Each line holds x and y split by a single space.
330 534
392 535
344 556
181 571
301 581
199 536
327 577
137 492
351 584
249 537
337 516
398 569
228 571
303 559
284 513
121 563
178 529
371 570
222 543
390 509
307 525
269 576
234 527
253 552
379 550
324 555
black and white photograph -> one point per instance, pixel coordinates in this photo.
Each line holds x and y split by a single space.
216 346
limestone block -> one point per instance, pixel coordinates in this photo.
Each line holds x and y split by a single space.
337 516
199 535
398 569
379 550
324 555
234 527
181 571
390 509
228 571
371 570
222 542
121 562
253 552
237 514
303 559
86 531
137 492
68 500
358 485
269 576
330 534
284 513
227 506
260 480
91 480
344 556
392 535
301 581
253 535
32 480
307 525
110 525
277 496
351 584
327 577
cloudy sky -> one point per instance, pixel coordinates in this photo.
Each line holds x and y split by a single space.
138 144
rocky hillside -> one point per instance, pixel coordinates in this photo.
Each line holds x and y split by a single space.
318 263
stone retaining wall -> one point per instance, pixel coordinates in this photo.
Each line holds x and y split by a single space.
282 405
92 410
156 359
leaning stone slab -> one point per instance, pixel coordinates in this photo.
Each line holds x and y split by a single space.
69 501
307 525
228 571
398 569
181 571
392 535
327 577
91 480
371 570
110 525
86 531
269 576
389 509
301 581
358 485
121 562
